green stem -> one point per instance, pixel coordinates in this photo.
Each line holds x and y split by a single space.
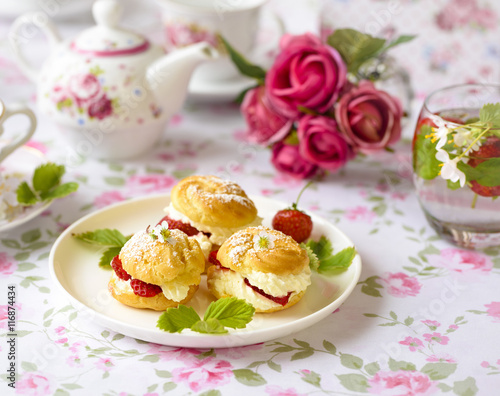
474 200
300 193
474 142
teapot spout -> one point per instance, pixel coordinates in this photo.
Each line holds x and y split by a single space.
169 76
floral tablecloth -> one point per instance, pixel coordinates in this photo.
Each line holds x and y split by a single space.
423 319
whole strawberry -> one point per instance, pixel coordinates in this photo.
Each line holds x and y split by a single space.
294 222
489 149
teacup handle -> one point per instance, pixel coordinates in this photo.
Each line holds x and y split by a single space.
20 33
5 113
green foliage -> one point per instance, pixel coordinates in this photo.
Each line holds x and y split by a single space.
329 263
490 114
425 163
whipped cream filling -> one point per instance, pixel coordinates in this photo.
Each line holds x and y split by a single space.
218 234
171 291
204 242
233 283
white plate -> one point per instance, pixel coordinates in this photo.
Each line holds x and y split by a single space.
73 266
24 161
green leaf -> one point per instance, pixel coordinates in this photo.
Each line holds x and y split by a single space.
351 361
115 181
47 176
117 337
372 368
453 185
23 256
313 259
248 377
31 236
230 312
60 191
425 163
329 347
103 237
44 289
28 366
25 266
487 173
168 386
439 371
242 64
25 195
341 260
150 358
312 378
444 387
395 365
209 326
355 47
107 256
302 354
353 382
211 392
274 366
467 387
163 373
72 386
399 40
323 249
174 320
370 291
62 392
302 344
490 113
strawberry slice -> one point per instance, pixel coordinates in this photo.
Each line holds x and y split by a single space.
116 264
188 229
283 300
489 149
144 289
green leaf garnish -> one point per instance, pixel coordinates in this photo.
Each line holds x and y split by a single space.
355 47
330 263
399 40
425 163
242 64
230 312
46 184
174 320
313 259
225 312
486 173
490 114
113 240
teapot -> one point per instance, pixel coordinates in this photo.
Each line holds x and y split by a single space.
109 90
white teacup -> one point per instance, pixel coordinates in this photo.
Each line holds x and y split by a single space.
189 21
22 137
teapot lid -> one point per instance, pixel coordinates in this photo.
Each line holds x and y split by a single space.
107 38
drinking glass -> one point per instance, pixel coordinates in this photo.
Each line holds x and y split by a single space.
468 216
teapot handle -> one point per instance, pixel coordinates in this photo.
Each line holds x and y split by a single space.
20 34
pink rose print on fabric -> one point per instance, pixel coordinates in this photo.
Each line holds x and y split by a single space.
199 374
108 198
275 390
460 13
462 262
139 184
168 353
34 384
432 324
494 310
402 382
360 213
413 343
3 314
401 285
436 337
74 361
441 358
60 330
7 265
104 364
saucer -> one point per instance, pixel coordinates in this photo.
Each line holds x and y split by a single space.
22 163
219 91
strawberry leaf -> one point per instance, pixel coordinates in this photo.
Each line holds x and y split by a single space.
339 261
231 312
174 320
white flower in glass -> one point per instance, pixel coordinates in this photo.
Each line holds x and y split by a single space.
442 131
449 170
162 234
263 241
464 137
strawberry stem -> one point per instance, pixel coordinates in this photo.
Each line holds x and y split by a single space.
474 200
294 205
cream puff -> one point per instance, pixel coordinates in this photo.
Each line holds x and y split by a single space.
215 207
157 269
263 266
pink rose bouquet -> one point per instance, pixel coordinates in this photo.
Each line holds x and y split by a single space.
313 109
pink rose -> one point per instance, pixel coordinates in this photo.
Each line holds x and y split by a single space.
276 390
265 126
101 108
441 358
34 384
436 337
7 265
413 343
401 285
431 324
84 88
462 261
493 310
207 373
402 382
306 73
108 198
360 213
369 119
321 143
287 159
150 183
104 364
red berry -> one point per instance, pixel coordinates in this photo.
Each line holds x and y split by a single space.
489 149
188 229
212 257
144 289
293 222
116 264
283 300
